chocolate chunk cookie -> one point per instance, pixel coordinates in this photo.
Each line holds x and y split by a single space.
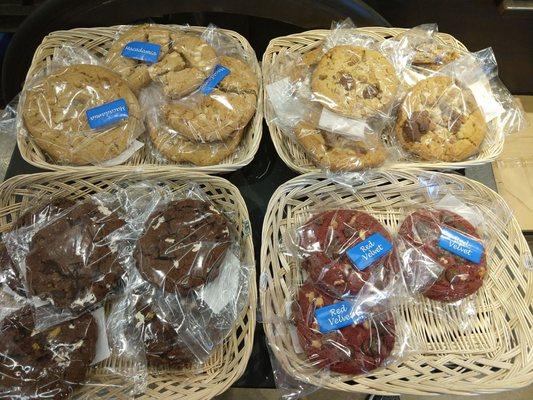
9 274
183 244
162 343
354 81
336 152
440 120
72 261
324 241
47 364
352 350
54 113
460 277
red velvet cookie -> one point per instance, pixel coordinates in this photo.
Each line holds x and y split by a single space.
351 350
460 277
323 242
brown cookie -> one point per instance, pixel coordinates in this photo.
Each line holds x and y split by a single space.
162 342
354 81
54 113
9 274
352 350
439 119
47 364
420 232
337 152
183 245
72 261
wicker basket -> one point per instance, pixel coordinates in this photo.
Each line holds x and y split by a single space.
229 360
98 41
495 354
292 153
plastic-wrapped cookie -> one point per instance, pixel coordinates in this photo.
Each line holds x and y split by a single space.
223 109
342 250
81 114
162 343
448 240
44 364
349 345
439 119
183 245
9 273
337 152
73 260
354 81
177 148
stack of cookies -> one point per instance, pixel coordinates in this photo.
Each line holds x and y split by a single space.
207 99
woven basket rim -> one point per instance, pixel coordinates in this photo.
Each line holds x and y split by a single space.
14 190
245 152
287 148
292 198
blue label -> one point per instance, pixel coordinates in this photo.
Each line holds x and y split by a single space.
219 73
461 245
142 51
368 251
107 113
336 316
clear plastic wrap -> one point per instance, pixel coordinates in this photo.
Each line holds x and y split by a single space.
325 339
336 100
448 115
79 112
55 362
68 257
189 285
197 109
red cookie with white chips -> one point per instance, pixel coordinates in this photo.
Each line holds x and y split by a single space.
460 277
355 349
323 242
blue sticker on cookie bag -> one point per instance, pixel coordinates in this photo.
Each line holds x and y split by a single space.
368 251
142 51
461 245
107 114
336 316
219 73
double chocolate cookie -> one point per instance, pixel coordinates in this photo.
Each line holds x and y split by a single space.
47 364
9 274
72 261
324 241
421 232
183 245
357 348
162 343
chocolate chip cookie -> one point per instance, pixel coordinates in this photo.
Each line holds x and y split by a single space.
72 261
47 364
216 116
352 350
337 152
460 277
440 120
54 114
183 245
323 242
354 81
162 343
